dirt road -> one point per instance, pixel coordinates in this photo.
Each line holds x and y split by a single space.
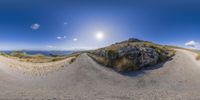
177 79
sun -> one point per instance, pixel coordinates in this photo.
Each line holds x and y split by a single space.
99 35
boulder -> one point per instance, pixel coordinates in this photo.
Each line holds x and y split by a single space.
133 53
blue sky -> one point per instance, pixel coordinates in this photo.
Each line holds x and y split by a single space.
76 24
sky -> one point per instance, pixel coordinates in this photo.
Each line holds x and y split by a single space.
90 24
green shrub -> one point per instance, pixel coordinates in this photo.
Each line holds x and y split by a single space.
111 53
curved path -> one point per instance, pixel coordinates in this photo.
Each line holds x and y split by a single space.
177 79
35 68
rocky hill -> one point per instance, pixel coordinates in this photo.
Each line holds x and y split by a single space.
132 54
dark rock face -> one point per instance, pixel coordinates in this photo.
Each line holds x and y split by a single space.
142 56
132 54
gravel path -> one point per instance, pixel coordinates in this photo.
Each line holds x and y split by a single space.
177 79
35 68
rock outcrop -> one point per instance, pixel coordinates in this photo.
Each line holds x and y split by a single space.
131 54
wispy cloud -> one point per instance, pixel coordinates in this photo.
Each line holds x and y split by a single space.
35 26
65 23
61 37
75 39
192 44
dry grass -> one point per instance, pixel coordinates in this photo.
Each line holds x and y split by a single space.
99 59
198 56
122 64
160 50
38 58
38 65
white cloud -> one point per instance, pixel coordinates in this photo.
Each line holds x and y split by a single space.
35 26
192 44
61 37
75 39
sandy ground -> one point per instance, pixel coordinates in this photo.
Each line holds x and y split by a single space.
177 79
35 68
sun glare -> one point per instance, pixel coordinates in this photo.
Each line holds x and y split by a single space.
99 35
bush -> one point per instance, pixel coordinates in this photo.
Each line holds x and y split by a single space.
198 56
72 60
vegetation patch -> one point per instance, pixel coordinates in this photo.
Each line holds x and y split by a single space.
198 56
38 58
